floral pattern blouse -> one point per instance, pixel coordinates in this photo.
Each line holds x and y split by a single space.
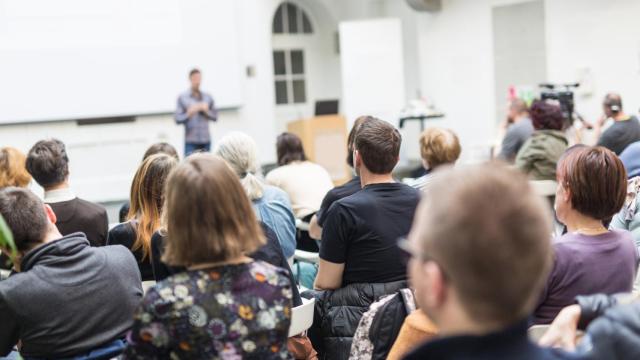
240 311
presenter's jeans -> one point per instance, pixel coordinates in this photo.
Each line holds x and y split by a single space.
190 148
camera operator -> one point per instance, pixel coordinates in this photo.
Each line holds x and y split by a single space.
625 129
517 129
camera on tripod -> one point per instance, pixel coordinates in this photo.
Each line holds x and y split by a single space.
563 94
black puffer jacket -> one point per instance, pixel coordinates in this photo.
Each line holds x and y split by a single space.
612 325
338 312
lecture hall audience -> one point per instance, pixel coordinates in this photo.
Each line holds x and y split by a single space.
589 258
478 273
271 204
66 298
539 155
359 260
226 304
146 205
349 188
438 148
48 163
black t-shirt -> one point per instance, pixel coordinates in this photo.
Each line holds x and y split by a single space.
620 135
362 231
125 234
335 194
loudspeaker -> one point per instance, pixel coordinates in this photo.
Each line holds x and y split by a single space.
425 5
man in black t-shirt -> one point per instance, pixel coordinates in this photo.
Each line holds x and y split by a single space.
360 231
624 131
338 192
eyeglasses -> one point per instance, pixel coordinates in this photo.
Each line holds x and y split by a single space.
408 252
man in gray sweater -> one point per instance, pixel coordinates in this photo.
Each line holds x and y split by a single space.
65 298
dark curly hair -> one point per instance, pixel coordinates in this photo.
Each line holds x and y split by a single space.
48 162
546 115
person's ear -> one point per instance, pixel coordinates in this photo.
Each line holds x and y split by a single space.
357 160
50 214
436 285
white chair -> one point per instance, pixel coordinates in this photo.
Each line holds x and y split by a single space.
536 332
544 187
306 256
146 285
4 274
301 225
302 317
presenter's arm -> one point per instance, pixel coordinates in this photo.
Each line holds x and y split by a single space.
182 115
211 112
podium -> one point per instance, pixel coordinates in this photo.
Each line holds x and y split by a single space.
325 142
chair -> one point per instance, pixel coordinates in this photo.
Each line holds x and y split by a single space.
536 332
146 285
546 188
306 256
302 317
4 274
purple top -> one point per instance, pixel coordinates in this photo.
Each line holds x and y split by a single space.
586 265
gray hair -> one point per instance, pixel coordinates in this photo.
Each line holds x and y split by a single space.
239 150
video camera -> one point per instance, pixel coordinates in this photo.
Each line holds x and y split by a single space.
564 95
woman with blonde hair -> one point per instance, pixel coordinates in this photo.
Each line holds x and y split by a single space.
225 305
13 171
147 201
271 204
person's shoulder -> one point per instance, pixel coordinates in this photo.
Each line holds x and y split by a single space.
273 275
91 208
122 234
117 255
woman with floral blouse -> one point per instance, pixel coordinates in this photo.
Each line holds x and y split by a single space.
225 306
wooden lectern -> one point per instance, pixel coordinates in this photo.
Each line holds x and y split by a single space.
325 142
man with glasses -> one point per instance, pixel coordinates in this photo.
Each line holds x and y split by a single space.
481 251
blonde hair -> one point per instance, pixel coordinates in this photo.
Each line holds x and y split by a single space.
147 198
439 147
208 215
239 151
13 170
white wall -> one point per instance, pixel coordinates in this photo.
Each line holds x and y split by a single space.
456 58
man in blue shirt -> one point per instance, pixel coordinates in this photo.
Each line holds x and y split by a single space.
194 109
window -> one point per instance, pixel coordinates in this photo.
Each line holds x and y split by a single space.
291 19
288 70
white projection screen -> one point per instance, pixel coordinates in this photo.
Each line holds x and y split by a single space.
77 59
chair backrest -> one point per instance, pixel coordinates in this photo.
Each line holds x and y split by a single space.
146 285
544 187
302 317
536 332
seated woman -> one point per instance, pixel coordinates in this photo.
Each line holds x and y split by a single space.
305 182
147 200
589 259
271 204
539 155
438 147
225 305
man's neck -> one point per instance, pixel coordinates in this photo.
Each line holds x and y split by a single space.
620 116
519 118
368 178
455 323
62 185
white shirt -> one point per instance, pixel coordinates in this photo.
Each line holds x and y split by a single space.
305 182
58 195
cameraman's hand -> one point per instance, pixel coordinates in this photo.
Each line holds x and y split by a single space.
563 330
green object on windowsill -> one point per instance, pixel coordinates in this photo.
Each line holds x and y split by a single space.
6 239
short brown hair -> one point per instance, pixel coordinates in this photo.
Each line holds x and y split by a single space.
378 143
439 146
48 162
161 148
289 149
352 137
492 237
596 179
209 217
24 214
13 170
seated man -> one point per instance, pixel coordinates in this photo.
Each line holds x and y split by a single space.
481 252
625 129
359 258
66 298
48 163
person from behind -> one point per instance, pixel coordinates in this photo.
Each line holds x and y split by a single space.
338 192
225 305
194 109
589 258
157 148
630 157
480 253
438 147
305 182
147 201
539 155
48 163
358 254
66 298
517 129
625 129
271 204
13 171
